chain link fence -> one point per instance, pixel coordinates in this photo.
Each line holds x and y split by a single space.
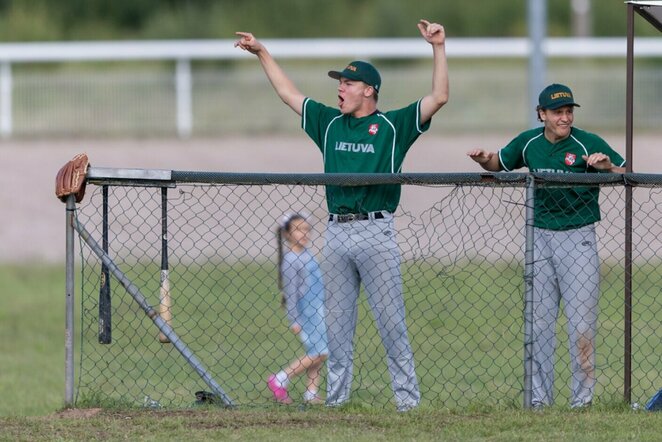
462 241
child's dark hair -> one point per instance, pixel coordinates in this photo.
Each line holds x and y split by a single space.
284 227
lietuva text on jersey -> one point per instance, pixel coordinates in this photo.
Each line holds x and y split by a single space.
355 147
375 143
552 170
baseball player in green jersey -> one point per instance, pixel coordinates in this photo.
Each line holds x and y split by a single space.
360 244
566 264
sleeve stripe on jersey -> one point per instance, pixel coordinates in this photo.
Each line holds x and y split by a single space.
418 116
303 112
526 146
503 164
583 147
392 143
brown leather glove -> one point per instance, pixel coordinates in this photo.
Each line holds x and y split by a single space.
71 178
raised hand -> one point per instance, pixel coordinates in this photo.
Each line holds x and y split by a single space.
433 33
248 42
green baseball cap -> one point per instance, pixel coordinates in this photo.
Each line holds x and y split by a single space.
361 71
556 95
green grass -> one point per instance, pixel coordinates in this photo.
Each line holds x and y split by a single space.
32 382
339 425
32 344
230 318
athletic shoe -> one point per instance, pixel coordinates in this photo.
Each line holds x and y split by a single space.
403 408
334 404
538 407
316 400
280 393
581 406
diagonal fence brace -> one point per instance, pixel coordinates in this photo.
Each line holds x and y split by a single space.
151 313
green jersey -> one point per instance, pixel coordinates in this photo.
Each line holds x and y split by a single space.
376 143
560 208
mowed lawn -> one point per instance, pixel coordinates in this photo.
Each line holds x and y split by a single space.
32 309
32 397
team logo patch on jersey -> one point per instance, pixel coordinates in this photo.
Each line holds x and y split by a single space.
373 129
570 159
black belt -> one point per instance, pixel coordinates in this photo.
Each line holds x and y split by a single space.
356 217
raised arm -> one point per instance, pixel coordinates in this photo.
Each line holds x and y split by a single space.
487 160
434 34
283 86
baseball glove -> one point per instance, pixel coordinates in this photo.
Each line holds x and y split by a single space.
71 178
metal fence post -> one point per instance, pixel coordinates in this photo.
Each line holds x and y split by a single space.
528 294
537 20
69 308
627 289
5 100
184 98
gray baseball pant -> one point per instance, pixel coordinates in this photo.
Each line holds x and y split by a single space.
566 267
366 251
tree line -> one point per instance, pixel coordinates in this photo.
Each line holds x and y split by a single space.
61 20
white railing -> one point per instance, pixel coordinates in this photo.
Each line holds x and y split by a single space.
183 52
318 48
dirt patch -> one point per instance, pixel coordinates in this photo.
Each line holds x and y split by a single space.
79 413
33 223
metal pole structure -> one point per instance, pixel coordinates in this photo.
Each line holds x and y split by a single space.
627 325
184 87
105 306
629 88
537 23
162 325
69 305
528 294
5 99
581 18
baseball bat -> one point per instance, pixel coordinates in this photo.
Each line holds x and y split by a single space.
105 330
164 292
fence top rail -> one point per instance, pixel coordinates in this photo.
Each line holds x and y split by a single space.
411 48
151 177
170 178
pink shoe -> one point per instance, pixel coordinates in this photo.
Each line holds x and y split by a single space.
280 393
